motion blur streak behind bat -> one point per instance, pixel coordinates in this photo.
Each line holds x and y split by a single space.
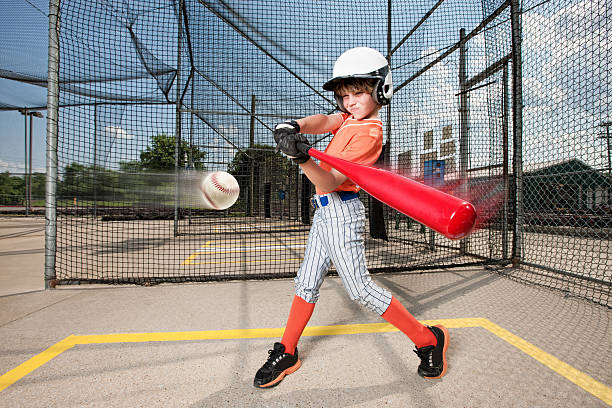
450 216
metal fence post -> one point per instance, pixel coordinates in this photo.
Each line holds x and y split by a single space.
52 132
29 186
177 130
95 163
463 123
517 131
505 164
251 190
25 155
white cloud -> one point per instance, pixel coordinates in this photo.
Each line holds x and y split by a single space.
230 132
17 167
565 83
118 132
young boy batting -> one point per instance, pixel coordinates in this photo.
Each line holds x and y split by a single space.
361 84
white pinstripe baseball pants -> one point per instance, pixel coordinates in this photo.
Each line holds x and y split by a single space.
336 236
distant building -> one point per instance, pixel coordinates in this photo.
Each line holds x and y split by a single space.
565 186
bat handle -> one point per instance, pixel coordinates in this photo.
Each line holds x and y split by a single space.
303 147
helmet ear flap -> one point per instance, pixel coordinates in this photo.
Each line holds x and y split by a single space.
376 95
383 90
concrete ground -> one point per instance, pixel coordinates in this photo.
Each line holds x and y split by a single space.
22 254
199 345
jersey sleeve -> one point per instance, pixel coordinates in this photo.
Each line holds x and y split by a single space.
344 117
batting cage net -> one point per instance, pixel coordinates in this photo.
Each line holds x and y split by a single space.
503 103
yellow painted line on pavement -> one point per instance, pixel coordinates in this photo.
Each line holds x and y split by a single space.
584 381
267 238
192 257
587 383
189 260
240 261
234 249
278 240
224 250
258 228
38 360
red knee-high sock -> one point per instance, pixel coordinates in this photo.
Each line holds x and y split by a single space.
299 315
398 316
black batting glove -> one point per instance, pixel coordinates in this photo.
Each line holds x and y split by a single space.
301 157
288 127
288 145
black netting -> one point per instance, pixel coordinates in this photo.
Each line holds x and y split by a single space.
23 54
566 146
155 93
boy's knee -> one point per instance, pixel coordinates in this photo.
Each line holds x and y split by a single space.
310 295
370 297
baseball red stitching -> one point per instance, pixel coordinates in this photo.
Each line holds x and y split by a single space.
210 201
230 191
215 182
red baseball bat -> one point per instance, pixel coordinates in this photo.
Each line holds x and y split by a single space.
450 216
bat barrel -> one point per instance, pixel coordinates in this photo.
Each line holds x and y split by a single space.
461 221
449 215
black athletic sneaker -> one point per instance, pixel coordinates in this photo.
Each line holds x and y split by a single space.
279 364
433 358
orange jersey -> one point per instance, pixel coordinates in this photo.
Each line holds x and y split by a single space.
358 141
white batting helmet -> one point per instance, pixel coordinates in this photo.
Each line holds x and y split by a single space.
363 62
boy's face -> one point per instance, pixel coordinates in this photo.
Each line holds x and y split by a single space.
360 104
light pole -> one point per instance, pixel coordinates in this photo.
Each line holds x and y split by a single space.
28 156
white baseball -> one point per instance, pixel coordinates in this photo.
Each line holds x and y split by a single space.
219 190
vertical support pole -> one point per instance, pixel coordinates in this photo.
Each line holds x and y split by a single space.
608 124
609 161
607 137
191 168
505 163
463 123
296 193
25 159
29 189
517 130
52 134
177 130
251 197
305 201
94 184
268 200
609 164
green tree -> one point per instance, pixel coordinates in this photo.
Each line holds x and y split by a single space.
75 182
131 166
160 155
85 183
38 181
12 189
264 166
267 165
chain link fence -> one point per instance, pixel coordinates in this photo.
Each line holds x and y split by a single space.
504 103
566 147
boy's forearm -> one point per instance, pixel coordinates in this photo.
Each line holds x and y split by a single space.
325 180
319 123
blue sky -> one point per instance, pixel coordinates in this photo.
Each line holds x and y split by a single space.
559 104
23 43
12 141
